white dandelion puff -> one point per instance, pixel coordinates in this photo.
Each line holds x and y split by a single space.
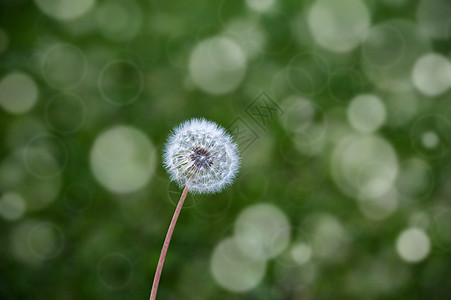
203 158
201 153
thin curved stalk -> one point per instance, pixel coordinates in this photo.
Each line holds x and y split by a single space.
167 240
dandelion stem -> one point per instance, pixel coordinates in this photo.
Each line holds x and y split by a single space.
167 240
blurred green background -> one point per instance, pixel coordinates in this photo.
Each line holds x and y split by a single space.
341 110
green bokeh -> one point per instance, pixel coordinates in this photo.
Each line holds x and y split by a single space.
127 63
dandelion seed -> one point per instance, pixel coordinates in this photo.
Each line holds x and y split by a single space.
203 154
200 156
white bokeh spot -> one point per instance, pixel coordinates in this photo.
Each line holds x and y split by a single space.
122 159
262 231
431 74
413 245
364 165
65 10
234 270
217 65
338 26
366 113
12 206
18 93
301 253
260 5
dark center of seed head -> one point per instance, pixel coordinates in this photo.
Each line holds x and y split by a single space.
201 158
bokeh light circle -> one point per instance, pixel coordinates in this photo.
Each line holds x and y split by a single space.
300 113
217 65
413 245
306 122
65 10
260 5
431 74
46 240
262 231
415 179
338 26
301 253
375 276
430 136
364 165
374 178
12 206
379 207
45 156
234 270
295 279
115 271
121 82
18 93
402 107
390 50
249 35
65 113
430 139
16 178
359 153
18 243
329 238
119 20
384 45
366 113
122 159
420 219
64 66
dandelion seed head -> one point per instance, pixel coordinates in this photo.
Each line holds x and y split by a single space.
201 153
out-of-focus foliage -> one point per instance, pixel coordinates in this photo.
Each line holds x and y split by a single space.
342 110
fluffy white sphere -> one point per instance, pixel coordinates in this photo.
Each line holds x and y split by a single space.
202 154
